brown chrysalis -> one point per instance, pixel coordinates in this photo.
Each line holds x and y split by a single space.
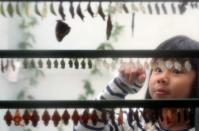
61 30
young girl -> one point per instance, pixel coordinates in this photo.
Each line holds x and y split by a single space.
169 79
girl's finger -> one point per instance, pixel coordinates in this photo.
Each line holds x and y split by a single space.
141 78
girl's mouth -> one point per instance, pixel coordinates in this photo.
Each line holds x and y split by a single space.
161 92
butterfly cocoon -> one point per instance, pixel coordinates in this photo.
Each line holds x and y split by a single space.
62 29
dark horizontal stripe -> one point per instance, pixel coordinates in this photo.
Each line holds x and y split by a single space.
132 89
118 83
184 103
135 84
114 94
99 53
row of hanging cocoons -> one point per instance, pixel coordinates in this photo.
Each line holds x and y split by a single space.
94 9
65 10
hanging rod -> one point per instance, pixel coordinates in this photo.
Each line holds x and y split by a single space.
100 0
99 53
100 104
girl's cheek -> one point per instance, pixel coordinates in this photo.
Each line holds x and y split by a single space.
150 86
151 81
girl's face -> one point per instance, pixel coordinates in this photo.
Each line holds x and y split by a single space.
171 83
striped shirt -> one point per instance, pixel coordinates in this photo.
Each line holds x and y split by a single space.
117 89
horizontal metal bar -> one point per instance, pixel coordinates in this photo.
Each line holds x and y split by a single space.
98 53
100 104
100 0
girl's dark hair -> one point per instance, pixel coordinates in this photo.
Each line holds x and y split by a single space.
184 43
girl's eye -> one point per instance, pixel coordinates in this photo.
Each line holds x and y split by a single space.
157 70
175 71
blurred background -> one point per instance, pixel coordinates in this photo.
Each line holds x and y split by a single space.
33 30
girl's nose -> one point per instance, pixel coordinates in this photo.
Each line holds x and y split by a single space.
163 77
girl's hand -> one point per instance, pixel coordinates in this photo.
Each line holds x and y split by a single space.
132 73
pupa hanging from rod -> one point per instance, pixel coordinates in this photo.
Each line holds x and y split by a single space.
2 10
136 118
120 118
83 64
125 8
17 118
133 23
40 63
56 118
112 117
72 10
134 7
10 9
37 10
61 10
18 12
2 66
157 8
94 117
32 64
26 117
173 8
65 117
70 63
192 5
56 64
26 9
90 10
52 9
150 9
75 117
46 117
62 63
90 65
35 118
8 118
196 5
7 64
109 27
61 30
142 8
182 7
48 64
12 64
76 64
85 117
25 63
130 115
79 12
164 8
44 10
100 11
